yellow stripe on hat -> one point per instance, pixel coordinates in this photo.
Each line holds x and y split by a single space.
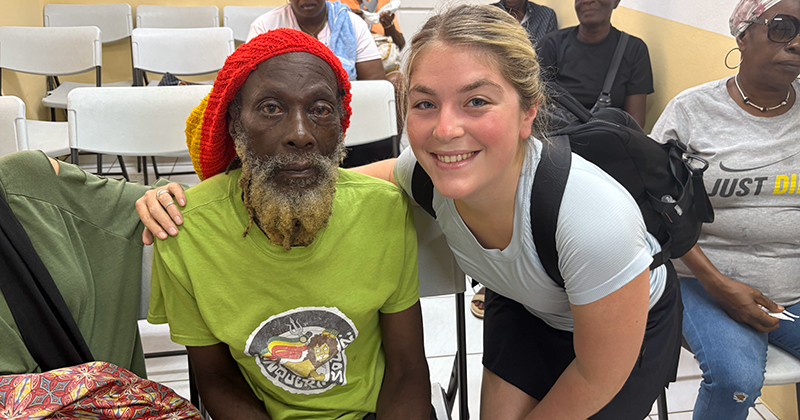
194 132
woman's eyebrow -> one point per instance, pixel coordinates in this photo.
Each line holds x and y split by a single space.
479 83
423 89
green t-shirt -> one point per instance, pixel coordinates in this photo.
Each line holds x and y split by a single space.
87 233
303 325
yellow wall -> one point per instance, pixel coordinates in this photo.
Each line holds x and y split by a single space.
682 56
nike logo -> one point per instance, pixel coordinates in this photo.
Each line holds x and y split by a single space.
727 169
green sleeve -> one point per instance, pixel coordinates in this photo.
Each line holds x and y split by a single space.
172 298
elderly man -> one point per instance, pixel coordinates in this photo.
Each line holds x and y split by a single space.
292 283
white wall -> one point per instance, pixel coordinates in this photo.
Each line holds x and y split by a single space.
711 15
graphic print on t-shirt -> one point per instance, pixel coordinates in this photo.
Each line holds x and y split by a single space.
302 350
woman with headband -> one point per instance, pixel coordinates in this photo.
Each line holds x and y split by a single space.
742 274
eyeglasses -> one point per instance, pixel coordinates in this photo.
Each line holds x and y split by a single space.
781 28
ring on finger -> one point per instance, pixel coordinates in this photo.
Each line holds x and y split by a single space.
169 204
161 191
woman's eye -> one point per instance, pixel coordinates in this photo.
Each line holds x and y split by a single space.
424 105
270 109
476 102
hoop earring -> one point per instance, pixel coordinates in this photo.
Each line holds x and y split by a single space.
740 58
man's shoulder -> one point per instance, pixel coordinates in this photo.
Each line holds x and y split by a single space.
218 188
364 187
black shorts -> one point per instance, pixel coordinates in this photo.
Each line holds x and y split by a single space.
524 351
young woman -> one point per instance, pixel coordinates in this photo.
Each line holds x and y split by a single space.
603 346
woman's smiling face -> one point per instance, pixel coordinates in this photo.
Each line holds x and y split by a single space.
465 123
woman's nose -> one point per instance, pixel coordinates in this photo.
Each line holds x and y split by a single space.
448 125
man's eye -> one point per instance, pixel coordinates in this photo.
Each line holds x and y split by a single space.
270 109
322 111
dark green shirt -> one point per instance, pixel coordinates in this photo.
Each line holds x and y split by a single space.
87 233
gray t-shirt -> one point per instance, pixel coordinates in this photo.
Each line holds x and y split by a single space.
601 240
754 164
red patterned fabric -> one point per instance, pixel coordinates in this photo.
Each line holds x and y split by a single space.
96 390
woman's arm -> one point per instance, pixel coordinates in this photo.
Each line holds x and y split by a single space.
390 29
636 105
370 70
739 300
382 169
608 337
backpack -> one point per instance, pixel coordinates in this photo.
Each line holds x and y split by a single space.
663 179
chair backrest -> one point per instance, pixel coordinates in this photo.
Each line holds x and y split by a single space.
181 51
12 125
114 20
239 19
132 121
374 113
50 51
439 274
149 16
411 20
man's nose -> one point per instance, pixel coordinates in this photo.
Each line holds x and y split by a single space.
300 135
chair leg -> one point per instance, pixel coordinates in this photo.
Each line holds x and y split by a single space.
155 167
661 404
123 168
144 171
99 164
461 357
797 396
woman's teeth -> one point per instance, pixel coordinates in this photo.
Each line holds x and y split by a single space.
454 158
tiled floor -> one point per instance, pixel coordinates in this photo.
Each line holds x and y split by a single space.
439 324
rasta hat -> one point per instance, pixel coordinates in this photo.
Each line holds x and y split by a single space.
207 135
745 12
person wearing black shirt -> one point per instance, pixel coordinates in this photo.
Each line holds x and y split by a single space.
537 20
578 58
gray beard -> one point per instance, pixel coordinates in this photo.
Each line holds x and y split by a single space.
290 215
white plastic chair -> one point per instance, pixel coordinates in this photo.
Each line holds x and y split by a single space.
374 112
51 52
17 133
182 52
132 121
239 19
149 16
114 20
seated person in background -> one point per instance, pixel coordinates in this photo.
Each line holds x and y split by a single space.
349 38
578 59
387 21
289 302
334 25
85 233
537 20
748 129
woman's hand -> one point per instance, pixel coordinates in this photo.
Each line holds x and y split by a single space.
158 213
738 300
741 301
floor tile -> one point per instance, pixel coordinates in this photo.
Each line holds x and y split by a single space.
439 326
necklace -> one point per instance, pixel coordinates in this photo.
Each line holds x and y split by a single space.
316 30
758 107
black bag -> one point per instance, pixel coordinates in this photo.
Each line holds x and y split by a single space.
661 178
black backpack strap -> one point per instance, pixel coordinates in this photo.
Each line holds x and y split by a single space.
422 189
548 189
42 317
604 100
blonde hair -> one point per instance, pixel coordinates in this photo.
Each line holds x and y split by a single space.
492 32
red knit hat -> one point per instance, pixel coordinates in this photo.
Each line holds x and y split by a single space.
207 136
